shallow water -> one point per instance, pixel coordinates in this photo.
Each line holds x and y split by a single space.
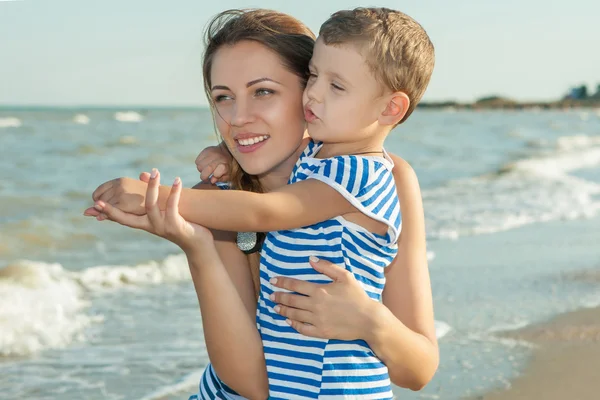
511 200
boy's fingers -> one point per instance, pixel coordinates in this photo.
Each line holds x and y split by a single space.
123 218
207 171
101 189
152 208
145 177
172 211
220 170
91 212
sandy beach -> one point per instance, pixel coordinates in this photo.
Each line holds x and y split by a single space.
565 362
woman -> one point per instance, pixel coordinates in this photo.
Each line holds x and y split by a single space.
256 63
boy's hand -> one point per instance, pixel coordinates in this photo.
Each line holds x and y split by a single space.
166 223
213 164
128 195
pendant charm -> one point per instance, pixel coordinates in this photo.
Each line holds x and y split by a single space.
247 242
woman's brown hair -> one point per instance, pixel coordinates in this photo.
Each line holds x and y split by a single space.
287 37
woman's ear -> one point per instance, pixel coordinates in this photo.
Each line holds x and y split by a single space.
396 108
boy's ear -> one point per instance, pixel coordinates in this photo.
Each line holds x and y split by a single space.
395 109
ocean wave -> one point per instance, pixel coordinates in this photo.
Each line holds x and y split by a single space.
45 306
531 190
40 308
128 116
186 385
81 119
10 122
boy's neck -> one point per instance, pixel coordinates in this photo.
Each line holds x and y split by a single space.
369 146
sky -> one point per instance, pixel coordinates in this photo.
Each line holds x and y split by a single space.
149 52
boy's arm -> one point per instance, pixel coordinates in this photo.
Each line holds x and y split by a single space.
293 206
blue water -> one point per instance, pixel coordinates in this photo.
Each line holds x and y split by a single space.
103 312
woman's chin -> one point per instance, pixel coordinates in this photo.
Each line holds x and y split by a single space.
254 168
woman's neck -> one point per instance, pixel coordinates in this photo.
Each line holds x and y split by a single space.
279 175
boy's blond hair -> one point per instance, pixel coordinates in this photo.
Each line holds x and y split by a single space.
395 47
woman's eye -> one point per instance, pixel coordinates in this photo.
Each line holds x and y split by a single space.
222 97
337 87
263 92
312 76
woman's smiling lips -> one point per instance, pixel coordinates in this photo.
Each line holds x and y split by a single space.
249 142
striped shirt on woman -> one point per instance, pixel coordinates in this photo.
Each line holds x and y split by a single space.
302 367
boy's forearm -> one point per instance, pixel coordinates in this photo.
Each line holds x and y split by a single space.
233 342
410 357
227 210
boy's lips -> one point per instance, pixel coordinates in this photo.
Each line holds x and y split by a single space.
309 115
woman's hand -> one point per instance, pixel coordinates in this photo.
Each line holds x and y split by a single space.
337 310
168 224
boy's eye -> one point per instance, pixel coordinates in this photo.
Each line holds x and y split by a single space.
263 92
312 76
336 86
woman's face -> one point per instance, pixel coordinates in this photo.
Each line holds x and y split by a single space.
258 107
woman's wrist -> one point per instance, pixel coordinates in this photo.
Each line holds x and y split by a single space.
200 250
373 323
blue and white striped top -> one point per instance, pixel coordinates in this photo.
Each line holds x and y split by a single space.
302 367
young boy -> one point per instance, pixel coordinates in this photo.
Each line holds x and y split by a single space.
369 70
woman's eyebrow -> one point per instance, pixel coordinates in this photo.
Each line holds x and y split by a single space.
259 80
251 83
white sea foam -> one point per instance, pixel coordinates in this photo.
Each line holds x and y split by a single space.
45 306
81 119
172 269
441 329
128 116
40 307
10 122
430 256
535 189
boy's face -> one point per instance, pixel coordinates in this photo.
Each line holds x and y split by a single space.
342 99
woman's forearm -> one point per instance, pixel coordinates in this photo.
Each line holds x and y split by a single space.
233 342
411 358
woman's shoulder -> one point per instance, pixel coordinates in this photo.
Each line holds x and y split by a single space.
406 180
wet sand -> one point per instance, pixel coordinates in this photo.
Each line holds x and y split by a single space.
565 363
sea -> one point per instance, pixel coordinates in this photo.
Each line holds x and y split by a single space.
93 310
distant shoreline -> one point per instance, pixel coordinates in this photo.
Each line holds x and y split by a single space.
507 104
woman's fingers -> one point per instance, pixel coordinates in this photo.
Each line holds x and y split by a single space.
295 285
172 212
292 300
335 272
305 329
152 208
294 314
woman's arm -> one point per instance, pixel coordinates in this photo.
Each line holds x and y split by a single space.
403 334
236 362
226 297
226 303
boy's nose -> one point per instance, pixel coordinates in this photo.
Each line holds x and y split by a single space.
313 92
